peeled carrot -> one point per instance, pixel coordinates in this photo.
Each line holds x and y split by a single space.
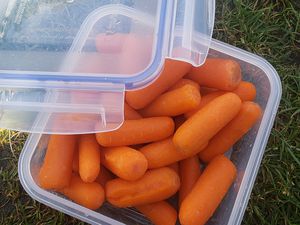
89 195
208 121
140 131
130 113
159 213
89 158
156 185
204 101
172 72
56 170
223 74
174 166
104 176
116 52
127 163
249 113
208 192
164 153
75 164
246 91
182 82
174 103
189 172
179 120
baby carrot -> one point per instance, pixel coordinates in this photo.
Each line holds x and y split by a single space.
89 158
189 172
89 195
56 170
127 163
249 113
208 192
174 166
204 101
164 153
140 131
172 72
174 103
104 176
246 91
159 213
75 164
130 113
223 74
156 185
182 82
208 121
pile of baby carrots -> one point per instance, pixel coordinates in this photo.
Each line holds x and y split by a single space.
173 141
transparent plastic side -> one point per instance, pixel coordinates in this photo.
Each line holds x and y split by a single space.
246 154
192 29
54 109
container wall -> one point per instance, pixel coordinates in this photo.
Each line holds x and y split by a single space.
246 153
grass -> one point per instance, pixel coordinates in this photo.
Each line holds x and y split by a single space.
269 28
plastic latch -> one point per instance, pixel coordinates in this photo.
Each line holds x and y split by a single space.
191 30
61 109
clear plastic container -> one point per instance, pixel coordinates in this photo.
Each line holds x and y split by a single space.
246 154
56 54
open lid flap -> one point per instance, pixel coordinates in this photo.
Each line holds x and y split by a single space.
59 110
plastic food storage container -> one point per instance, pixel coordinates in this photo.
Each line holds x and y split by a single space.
246 154
65 66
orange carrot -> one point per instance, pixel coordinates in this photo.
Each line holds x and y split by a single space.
208 192
246 91
179 120
159 213
164 153
174 103
182 82
208 121
249 113
89 195
130 113
223 74
204 101
140 131
89 158
75 164
56 170
189 170
174 166
127 163
104 176
116 52
156 185
172 72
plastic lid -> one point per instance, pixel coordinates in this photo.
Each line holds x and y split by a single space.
68 62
